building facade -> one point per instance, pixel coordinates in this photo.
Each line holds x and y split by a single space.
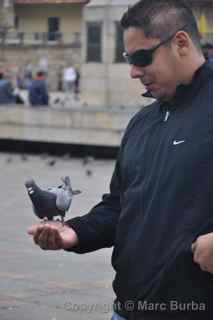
82 32
6 14
58 21
41 31
102 52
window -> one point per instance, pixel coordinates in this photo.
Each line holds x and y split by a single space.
119 45
53 28
94 37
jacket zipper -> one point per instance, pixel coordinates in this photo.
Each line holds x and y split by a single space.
166 116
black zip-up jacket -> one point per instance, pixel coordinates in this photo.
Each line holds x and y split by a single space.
160 201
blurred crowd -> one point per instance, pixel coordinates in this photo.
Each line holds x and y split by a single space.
36 84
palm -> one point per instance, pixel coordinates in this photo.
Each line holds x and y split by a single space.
53 235
68 236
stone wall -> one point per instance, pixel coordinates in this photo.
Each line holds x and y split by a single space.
75 126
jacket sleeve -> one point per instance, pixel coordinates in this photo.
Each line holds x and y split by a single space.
97 229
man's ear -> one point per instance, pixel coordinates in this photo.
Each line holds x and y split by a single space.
182 42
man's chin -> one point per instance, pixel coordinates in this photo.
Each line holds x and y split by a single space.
156 95
161 96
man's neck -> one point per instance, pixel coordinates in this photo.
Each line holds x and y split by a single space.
191 69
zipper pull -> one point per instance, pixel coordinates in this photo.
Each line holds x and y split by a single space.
167 116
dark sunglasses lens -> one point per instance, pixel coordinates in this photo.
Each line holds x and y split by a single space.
142 58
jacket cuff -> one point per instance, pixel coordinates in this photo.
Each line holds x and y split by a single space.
78 225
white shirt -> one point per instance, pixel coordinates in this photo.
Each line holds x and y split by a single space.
69 74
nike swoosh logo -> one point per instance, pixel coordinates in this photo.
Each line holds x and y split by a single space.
175 142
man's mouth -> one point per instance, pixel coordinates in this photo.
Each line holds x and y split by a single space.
147 85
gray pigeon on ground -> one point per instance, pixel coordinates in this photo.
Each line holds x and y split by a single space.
55 201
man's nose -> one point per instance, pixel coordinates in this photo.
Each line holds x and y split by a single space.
136 72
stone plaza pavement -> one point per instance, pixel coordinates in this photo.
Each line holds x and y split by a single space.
47 285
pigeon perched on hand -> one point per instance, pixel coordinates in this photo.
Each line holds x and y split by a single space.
55 201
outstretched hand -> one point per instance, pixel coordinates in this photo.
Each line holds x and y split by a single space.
202 250
53 235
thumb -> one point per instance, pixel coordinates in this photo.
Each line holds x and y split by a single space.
32 230
193 247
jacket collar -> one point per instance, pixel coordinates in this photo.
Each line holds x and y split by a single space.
184 92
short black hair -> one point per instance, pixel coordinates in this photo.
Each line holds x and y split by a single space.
161 18
40 73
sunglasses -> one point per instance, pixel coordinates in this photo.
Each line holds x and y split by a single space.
144 57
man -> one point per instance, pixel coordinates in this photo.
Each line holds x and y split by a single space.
7 94
159 213
69 79
6 90
38 91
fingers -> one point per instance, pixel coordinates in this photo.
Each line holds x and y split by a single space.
37 233
204 268
58 241
202 250
53 240
193 247
196 252
31 231
43 238
48 238
53 235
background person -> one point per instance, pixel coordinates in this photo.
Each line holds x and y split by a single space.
77 84
7 95
6 90
38 90
69 78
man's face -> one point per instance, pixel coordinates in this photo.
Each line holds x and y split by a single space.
161 77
